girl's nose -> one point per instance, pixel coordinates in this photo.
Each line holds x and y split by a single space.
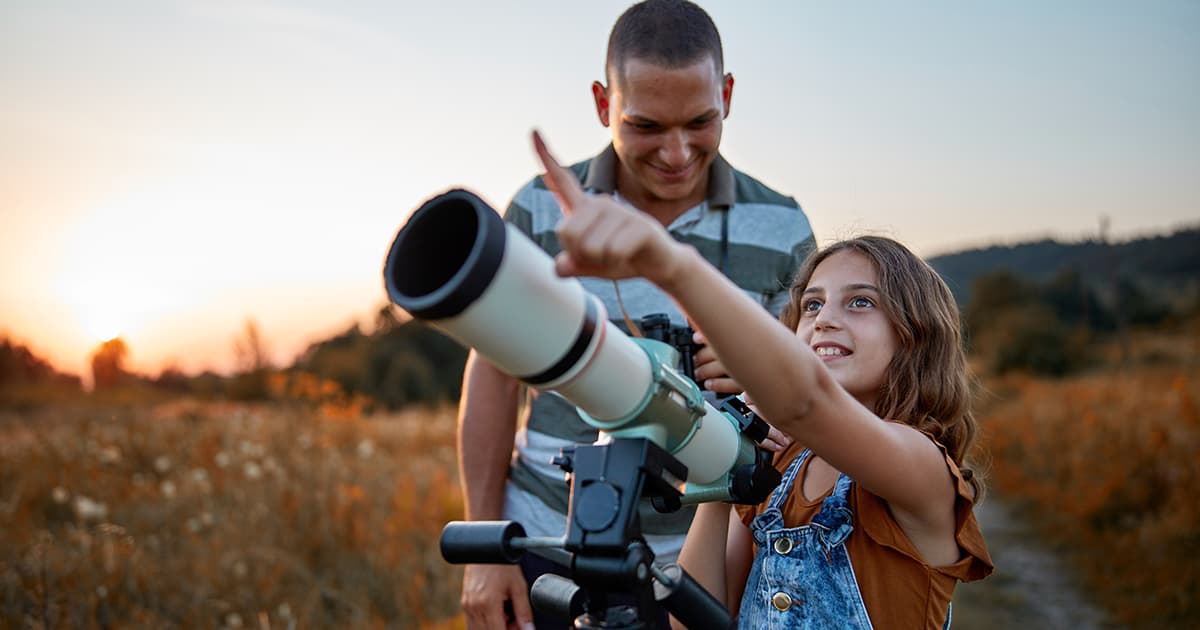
826 318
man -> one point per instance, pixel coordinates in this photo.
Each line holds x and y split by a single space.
665 101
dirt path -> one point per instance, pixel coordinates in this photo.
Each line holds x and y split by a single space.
1031 588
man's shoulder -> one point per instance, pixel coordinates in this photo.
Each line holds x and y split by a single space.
748 190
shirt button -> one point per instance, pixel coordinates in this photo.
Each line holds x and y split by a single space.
783 546
781 601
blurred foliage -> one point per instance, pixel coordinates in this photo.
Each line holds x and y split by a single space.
1050 328
400 363
26 379
1105 464
108 364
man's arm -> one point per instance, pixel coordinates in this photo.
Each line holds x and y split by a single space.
487 423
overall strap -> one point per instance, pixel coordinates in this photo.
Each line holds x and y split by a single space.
835 518
780 494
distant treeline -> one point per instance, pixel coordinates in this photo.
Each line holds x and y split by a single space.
19 365
1171 260
1038 307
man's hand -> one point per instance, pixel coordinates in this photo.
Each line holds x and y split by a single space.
486 587
708 368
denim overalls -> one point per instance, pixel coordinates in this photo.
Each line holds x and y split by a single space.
802 577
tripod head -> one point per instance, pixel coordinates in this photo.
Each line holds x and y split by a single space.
603 548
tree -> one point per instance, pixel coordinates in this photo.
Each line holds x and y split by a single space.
108 363
250 349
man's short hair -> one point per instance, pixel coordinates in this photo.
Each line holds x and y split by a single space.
668 33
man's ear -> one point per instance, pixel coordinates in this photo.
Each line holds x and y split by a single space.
727 92
600 95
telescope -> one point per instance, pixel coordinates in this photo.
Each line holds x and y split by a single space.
457 266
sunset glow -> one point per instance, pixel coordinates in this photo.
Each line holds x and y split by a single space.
170 170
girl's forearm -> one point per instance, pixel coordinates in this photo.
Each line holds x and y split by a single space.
767 359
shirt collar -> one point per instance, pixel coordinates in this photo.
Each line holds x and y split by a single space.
602 178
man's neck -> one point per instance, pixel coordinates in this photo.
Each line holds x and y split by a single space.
664 210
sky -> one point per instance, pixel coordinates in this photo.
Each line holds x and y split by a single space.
171 169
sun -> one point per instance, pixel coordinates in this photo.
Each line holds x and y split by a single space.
117 280
101 327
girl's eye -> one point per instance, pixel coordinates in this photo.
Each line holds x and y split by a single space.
811 307
861 302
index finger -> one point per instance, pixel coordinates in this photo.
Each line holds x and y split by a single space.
559 180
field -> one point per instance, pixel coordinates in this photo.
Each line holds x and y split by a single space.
214 515
1105 465
178 513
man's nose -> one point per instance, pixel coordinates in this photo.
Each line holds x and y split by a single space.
676 149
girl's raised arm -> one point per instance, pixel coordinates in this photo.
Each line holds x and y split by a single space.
792 388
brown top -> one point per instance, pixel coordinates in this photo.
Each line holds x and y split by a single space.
899 589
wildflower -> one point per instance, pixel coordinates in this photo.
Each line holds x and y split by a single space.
222 459
206 519
194 525
162 463
167 488
233 620
110 455
88 509
199 475
60 494
305 440
250 449
252 470
366 448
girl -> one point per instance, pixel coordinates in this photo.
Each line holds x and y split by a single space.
873 521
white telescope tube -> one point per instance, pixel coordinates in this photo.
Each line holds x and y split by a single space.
456 265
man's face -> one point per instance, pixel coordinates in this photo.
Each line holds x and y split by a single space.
666 128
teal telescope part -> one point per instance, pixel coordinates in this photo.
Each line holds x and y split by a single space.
456 265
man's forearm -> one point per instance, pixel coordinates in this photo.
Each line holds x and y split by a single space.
487 423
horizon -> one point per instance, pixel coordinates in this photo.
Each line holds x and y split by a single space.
171 170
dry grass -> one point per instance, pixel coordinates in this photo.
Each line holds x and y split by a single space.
1106 464
208 515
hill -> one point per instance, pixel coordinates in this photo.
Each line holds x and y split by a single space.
1171 261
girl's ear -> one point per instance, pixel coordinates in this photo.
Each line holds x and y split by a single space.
600 95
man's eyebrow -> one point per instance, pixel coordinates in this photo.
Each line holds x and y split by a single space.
636 118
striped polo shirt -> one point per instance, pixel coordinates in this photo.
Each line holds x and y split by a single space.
766 236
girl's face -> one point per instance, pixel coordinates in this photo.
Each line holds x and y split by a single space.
843 321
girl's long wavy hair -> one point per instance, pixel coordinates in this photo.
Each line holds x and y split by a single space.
928 385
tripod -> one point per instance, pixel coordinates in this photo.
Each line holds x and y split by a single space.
603 546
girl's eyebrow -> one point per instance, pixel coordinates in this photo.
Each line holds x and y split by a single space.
848 288
861 287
